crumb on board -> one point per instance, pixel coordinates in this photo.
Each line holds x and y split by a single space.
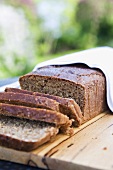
105 148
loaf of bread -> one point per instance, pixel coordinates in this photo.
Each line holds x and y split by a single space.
86 86
49 101
23 134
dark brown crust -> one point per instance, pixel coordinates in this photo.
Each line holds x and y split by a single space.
34 114
16 90
66 106
78 74
29 100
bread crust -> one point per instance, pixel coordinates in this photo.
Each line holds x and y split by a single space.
29 100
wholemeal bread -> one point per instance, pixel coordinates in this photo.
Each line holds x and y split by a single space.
66 106
75 91
26 128
86 86
23 134
30 101
34 114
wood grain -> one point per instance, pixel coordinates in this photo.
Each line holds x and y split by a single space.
91 147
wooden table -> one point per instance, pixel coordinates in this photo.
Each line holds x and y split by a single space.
90 148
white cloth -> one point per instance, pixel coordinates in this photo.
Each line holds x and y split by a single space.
100 57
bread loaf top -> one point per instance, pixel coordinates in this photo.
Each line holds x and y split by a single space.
78 73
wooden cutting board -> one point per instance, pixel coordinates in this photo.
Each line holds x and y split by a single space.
90 148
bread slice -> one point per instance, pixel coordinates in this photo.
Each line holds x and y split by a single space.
34 114
66 106
23 134
30 101
85 85
44 115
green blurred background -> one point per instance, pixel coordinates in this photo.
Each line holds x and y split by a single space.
32 31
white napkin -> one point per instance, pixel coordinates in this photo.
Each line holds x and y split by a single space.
100 57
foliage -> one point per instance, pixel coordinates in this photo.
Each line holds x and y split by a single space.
17 52
91 25
83 24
